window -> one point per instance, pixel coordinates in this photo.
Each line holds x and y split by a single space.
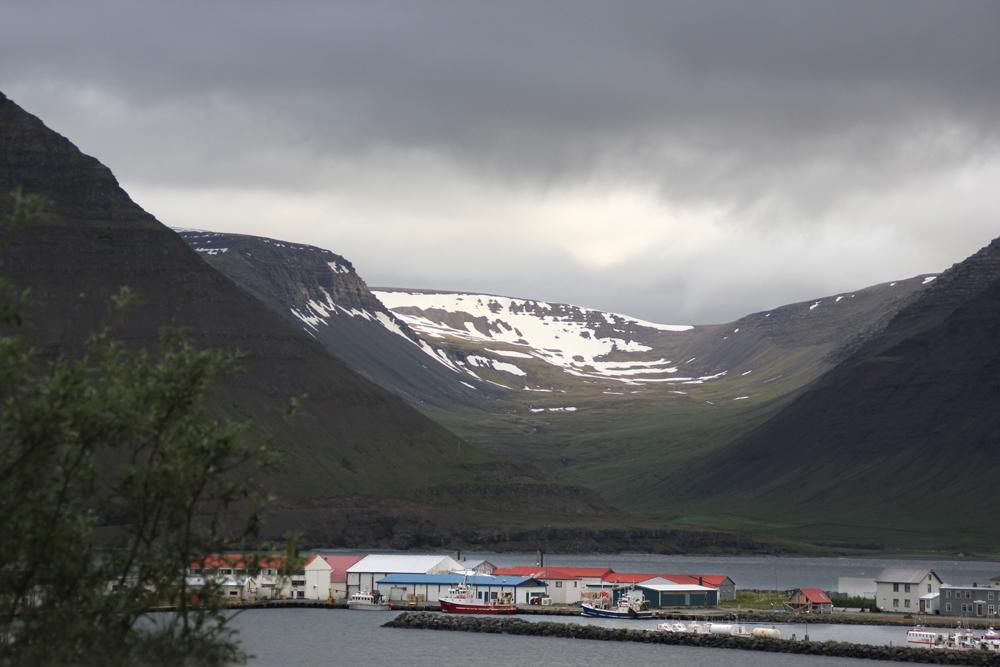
947 606
907 587
895 588
558 584
992 609
906 602
895 602
968 595
576 584
928 588
989 596
947 594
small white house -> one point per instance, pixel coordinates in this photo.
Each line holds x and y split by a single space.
363 575
904 589
326 576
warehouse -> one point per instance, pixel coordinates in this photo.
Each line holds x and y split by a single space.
406 588
660 592
361 576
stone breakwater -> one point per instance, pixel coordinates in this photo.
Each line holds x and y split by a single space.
514 626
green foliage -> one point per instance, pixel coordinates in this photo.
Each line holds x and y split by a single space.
757 600
114 477
854 602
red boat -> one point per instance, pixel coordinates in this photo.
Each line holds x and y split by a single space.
461 601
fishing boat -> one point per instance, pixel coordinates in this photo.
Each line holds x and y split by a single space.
920 636
372 601
460 600
628 606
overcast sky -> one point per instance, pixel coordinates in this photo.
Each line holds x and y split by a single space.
684 162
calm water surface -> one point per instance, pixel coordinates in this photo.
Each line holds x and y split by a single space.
320 638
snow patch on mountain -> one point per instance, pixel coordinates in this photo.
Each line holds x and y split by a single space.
578 340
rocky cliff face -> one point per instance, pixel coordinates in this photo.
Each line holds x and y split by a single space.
319 292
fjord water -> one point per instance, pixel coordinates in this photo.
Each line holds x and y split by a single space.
314 637
341 638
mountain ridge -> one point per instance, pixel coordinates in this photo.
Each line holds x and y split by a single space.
350 437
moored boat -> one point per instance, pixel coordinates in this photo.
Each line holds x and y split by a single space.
919 636
627 607
460 600
372 601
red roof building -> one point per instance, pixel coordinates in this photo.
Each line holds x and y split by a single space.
810 600
338 566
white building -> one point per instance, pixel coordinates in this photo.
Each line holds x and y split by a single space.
566 585
856 587
363 575
326 576
903 589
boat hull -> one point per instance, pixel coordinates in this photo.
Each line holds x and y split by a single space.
451 607
367 606
614 613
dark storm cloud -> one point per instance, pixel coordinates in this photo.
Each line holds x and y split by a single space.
777 113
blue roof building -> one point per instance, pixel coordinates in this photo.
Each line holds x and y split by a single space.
429 588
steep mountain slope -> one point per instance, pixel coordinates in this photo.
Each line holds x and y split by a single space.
361 464
619 404
321 293
905 432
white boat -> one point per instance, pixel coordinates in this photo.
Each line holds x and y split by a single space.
372 601
919 636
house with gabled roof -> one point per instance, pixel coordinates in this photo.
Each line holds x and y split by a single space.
903 589
326 576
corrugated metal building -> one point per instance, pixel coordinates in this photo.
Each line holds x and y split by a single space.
660 592
361 576
431 587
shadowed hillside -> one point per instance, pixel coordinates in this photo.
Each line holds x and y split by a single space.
903 436
360 463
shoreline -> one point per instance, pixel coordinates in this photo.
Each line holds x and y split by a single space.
513 626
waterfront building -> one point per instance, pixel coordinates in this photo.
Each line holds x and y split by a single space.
245 577
971 600
856 587
725 585
429 588
903 589
566 585
326 576
810 601
363 575
660 592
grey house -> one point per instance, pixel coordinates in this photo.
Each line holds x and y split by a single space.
972 600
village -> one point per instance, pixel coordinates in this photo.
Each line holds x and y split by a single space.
408 581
